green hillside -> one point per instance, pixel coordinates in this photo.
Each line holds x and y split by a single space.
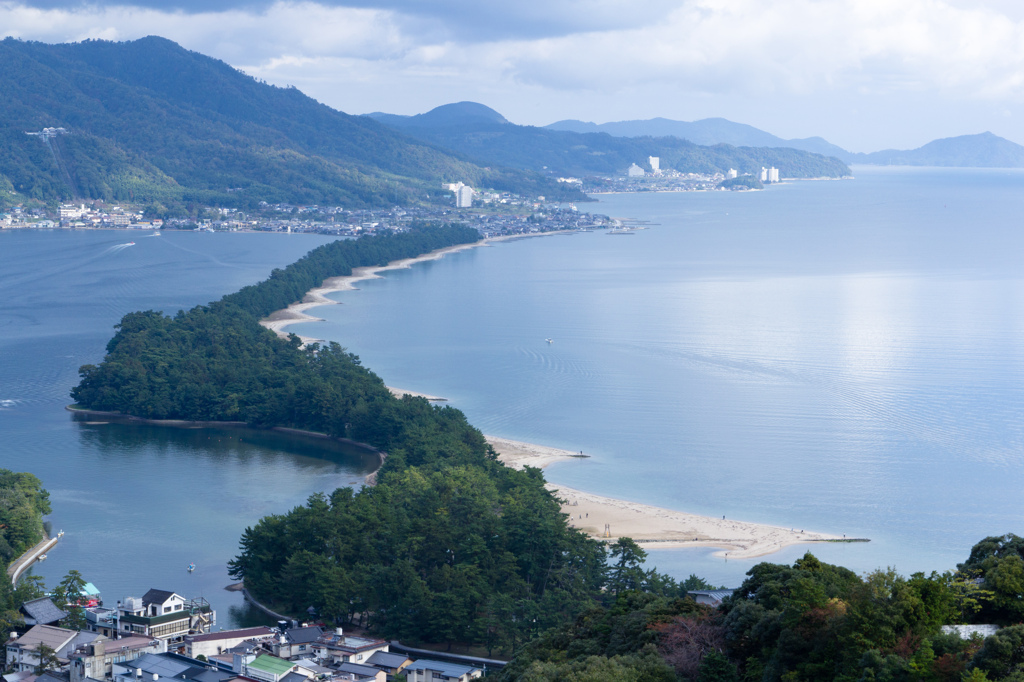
484 135
148 120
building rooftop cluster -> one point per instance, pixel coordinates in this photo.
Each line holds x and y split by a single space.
491 220
163 634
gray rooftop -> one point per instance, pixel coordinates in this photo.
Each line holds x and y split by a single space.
359 669
304 635
43 611
294 677
156 596
384 659
161 665
446 669
55 638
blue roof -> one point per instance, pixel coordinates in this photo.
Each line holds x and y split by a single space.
446 669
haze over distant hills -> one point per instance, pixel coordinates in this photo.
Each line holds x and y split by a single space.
708 131
981 151
150 121
482 134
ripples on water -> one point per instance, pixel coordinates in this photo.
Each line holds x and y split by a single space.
842 356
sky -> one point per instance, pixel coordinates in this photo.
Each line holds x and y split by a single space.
864 74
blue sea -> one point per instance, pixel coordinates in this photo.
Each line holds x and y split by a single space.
839 356
842 356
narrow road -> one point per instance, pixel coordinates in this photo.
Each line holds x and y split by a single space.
22 563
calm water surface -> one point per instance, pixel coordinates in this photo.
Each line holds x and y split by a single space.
839 356
138 503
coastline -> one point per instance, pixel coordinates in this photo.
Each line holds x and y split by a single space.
278 320
652 527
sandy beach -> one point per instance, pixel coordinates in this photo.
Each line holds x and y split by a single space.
296 312
601 517
652 527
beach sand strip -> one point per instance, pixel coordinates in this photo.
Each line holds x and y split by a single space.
652 527
296 312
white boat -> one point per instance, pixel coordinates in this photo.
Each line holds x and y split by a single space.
550 340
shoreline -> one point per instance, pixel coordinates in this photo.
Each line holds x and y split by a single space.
649 526
653 527
278 320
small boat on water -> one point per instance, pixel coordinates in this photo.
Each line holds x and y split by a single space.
41 557
550 340
191 567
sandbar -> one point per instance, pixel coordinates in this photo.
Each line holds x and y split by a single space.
651 527
296 312
604 518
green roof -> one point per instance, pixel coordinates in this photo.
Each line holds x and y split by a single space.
272 664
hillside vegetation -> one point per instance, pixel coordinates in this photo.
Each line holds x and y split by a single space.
811 621
152 122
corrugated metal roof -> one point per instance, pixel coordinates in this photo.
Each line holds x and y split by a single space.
53 637
272 664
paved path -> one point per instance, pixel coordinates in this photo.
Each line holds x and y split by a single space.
22 563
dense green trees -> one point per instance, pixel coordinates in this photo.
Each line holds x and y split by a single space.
23 503
449 546
152 122
809 621
215 362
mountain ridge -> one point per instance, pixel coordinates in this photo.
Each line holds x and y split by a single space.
484 135
983 150
152 121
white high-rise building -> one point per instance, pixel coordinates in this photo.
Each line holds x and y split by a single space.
773 174
731 174
464 197
764 174
655 162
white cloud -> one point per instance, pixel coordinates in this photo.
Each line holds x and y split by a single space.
669 58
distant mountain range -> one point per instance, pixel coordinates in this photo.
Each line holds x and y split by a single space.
485 136
150 121
708 131
979 151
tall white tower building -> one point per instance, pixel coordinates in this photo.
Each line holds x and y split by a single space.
464 197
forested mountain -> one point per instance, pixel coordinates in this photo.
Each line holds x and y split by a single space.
482 134
150 121
707 131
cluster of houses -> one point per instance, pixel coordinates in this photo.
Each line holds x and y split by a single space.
78 215
163 634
